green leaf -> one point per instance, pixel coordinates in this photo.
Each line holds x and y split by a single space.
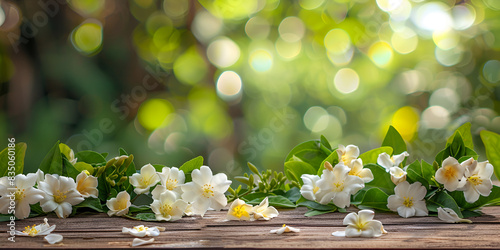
81 166
137 209
20 151
90 157
394 140
382 179
68 169
52 163
253 196
276 201
65 149
333 158
325 142
421 172
92 203
298 168
144 217
372 155
492 147
192 164
104 188
122 151
316 212
313 144
443 199
376 199
159 167
293 194
104 155
313 157
317 206
465 133
456 149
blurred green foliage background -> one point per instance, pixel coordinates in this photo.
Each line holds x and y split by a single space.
245 80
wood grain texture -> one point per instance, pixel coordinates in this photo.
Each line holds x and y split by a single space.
212 231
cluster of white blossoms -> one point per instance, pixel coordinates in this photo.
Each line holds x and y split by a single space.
391 165
338 183
173 198
55 193
239 210
470 176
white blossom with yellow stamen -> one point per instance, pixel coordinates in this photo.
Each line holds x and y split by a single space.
86 184
476 180
60 195
398 175
450 173
120 205
35 230
361 224
172 179
145 180
206 191
239 210
310 188
24 195
357 170
168 207
338 186
347 154
408 200
388 161
263 211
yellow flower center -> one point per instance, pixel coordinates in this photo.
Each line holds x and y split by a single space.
408 201
475 180
19 194
59 196
165 210
240 211
315 190
345 159
86 172
140 228
393 161
31 231
171 184
208 190
449 172
284 225
145 181
338 186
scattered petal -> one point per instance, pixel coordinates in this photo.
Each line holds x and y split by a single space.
448 215
285 229
53 238
142 231
138 242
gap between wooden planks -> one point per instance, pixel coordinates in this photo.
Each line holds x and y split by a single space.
212 231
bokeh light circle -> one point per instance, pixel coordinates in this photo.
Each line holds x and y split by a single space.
380 53
316 119
448 57
405 120
152 113
257 28
346 80
310 4
292 29
446 98
388 5
404 41
229 85
435 117
463 16
433 16
337 41
223 52
491 71
261 60
87 37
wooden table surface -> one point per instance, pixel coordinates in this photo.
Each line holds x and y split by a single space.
212 231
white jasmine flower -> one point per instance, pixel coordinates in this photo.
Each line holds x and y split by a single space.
189 210
206 190
86 185
60 195
264 212
388 161
72 157
448 215
285 229
361 224
357 170
168 207
53 238
139 242
239 210
141 231
120 205
145 180
338 185
450 173
172 179
477 179
35 230
310 188
398 175
408 200
347 154
24 195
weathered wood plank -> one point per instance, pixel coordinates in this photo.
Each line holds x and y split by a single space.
212 231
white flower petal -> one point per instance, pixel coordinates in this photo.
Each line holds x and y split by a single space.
339 233
139 242
53 238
